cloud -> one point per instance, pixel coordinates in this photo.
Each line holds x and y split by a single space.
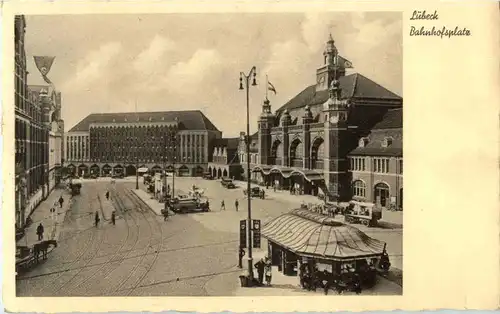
92 67
190 75
147 61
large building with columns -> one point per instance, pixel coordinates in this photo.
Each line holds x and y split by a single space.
105 144
308 144
38 132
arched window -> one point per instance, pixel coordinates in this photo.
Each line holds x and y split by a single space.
387 142
363 142
359 188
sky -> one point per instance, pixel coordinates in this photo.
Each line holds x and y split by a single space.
161 62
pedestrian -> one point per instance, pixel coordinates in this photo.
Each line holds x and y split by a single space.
107 195
165 212
113 218
236 204
241 254
39 232
274 187
61 201
260 265
97 219
268 269
222 205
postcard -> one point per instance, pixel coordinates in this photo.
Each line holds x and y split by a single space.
250 156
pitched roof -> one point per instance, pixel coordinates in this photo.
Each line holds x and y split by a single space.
393 119
374 146
230 143
353 86
188 119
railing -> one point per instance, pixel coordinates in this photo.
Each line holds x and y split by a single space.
317 164
297 163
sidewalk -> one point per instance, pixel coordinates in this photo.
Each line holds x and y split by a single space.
389 219
153 204
282 285
50 221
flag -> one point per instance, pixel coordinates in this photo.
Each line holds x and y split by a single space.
44 63
271 87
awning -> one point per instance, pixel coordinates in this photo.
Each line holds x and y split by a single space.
141 170
264 169
309 234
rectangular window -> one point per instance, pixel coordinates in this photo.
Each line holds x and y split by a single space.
363 164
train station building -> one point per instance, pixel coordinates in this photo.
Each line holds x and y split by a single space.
105 144
313 144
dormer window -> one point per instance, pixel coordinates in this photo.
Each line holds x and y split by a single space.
362 142
387 142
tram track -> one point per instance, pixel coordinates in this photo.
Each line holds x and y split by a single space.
127 193
88 261
110 260
81 252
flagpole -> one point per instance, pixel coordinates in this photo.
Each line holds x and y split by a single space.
267 86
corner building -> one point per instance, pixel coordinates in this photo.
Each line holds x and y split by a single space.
112 143
306 144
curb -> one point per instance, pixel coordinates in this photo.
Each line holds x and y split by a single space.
143 202
57 229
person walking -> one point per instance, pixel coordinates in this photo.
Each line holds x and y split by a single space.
241 254
107 195
236 204
39 231
97 219
222 205
61 201
113 218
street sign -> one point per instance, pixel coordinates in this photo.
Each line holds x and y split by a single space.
243 233
256 233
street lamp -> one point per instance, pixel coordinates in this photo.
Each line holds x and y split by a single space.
246 79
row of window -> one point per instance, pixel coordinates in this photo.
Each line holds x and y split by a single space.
380 165
297 150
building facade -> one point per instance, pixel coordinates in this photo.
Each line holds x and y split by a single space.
121 143
225 160
35 164
376 164
305 144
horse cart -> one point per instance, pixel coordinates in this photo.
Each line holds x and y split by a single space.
27 257
367 214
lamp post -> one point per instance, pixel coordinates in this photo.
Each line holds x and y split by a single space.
174 153
246 79
136 151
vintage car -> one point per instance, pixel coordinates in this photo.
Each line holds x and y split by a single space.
94 176
227 183
364 213
185 204
207 176
118 176
254 192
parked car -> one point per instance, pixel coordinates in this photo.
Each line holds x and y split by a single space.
227 183
184 204
254 192
94 176
207 176
118 176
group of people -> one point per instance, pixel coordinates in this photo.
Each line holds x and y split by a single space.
264 268
40 229
223 205
312 279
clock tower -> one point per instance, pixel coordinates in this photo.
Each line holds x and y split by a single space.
335 111
333 66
